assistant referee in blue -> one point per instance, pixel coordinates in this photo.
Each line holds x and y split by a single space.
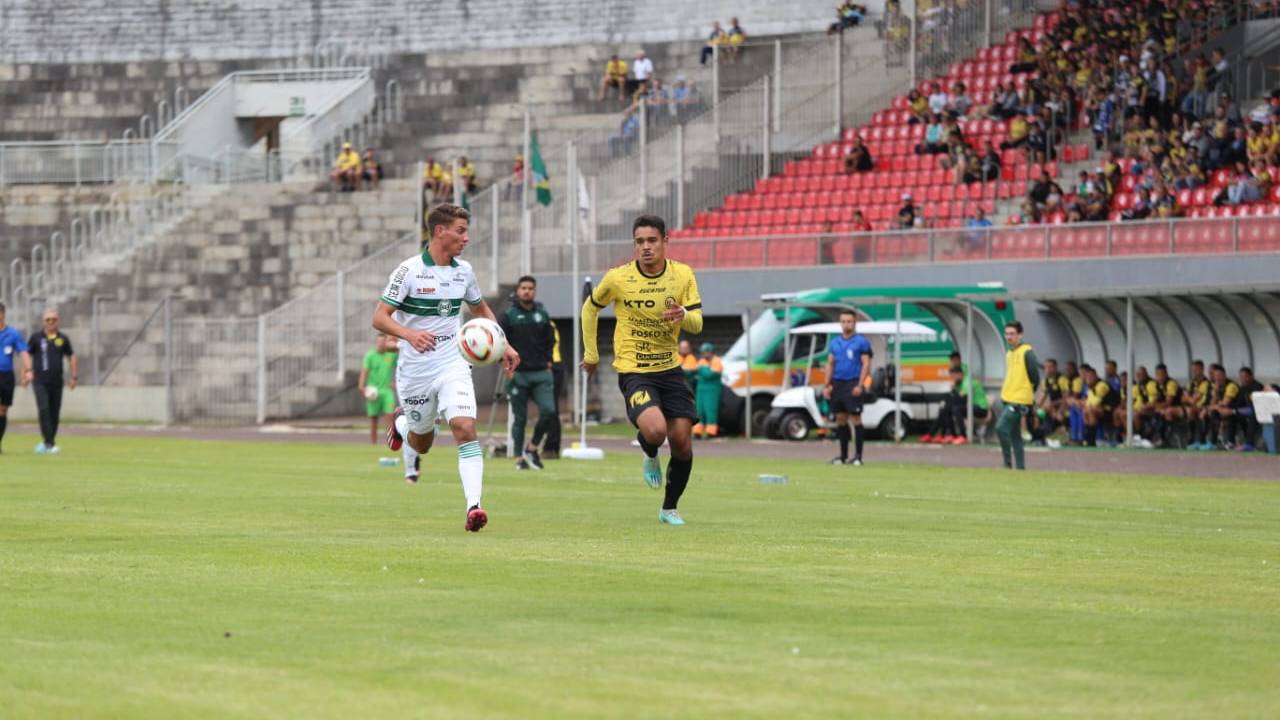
848 368
11 344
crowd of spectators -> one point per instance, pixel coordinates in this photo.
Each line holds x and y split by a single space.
438 179
1170 123
352 172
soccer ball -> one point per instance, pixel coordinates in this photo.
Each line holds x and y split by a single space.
371 393
482 342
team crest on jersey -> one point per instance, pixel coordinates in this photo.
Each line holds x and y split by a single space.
638 398
445 308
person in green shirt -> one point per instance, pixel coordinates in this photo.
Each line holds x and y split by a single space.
707 391
375 383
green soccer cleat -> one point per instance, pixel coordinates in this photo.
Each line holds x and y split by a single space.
670 517
652 472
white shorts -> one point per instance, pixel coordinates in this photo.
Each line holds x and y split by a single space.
448 396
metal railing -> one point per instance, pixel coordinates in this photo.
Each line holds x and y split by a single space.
312 341
1184 236
70 261
73 162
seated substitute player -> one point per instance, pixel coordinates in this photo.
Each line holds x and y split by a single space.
421 306
654 299
848 367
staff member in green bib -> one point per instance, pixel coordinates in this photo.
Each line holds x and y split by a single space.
1021 376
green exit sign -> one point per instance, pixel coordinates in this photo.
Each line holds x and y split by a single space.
297 106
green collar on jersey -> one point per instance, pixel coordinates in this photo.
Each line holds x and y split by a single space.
426 258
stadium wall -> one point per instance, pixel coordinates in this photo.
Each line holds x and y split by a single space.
98 404
65 30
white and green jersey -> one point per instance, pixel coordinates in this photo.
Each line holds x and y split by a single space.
429 297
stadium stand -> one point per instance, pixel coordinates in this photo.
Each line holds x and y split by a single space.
816 196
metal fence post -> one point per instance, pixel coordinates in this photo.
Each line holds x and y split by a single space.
715 89
897 371
168 362
766 151
911 47
95 341
777 83
262 369
986 24
75 160
839 84
342 326
679 223
495 198
644 143
1128 362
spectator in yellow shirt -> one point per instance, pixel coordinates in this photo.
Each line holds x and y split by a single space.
615 75
346 169
467 174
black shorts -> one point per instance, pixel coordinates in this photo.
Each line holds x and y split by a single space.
842 398
6 388
664 390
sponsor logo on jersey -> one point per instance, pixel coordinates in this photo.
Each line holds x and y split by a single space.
638 398
652 290
397 280
652 334
653 356
416 400
426 291
639 303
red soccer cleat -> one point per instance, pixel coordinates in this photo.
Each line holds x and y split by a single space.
394 440
476 519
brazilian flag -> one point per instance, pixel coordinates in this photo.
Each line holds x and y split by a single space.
541 183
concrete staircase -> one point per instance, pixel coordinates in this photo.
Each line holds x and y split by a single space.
251 249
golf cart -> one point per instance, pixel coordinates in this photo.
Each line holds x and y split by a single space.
801 409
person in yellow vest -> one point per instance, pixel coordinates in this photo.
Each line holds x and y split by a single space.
551 446
1021 376
346 169
709 389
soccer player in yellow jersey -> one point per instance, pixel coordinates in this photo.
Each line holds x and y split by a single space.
654 299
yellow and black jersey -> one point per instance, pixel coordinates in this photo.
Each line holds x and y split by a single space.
1198 392
1052 387
1145 394
642 341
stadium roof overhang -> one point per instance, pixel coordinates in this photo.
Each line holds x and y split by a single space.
1230 324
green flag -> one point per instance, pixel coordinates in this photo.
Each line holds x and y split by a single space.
541 183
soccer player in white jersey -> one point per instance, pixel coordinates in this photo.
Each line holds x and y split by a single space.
422 306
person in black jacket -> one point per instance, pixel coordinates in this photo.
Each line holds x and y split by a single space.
529 331
48 348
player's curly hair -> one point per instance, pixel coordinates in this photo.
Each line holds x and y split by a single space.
444 214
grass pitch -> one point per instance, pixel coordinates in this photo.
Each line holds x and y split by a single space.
163 578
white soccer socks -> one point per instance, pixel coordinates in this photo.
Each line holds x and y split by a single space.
410 458
471 470
402 427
